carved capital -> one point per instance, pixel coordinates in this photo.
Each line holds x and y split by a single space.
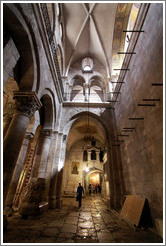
29 135
55 132
47 132
65 79
26 102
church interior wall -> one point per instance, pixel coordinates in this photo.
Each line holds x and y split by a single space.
39 137
75 154
141 150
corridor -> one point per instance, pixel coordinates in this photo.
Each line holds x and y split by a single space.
93 223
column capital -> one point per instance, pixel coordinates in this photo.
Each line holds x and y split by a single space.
29 135
65 78
27 102
86 85
47 132
55 132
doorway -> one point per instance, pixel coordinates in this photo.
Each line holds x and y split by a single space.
95 178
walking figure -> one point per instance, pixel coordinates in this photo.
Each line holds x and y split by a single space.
80 190
89 189
94 190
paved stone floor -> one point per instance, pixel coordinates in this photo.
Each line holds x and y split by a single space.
93 223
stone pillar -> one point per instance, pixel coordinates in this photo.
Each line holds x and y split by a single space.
50 169
97 156
66 88
67 92
55 197
18 169
86 86
104 96
6 123
26 103
47 135
70 92
89 155
62 161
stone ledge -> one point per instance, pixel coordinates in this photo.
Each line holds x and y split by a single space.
85 105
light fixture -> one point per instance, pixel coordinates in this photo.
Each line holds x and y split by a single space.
87 168
87 68
88 138
87 65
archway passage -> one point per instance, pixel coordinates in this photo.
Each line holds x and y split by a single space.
94 181
95 178
86 141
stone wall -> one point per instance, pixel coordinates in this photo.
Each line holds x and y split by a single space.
10 58
71 180
142 153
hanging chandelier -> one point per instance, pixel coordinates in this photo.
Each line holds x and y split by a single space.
88 138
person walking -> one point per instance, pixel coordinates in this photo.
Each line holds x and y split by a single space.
90 189
96 188
80 190
93 189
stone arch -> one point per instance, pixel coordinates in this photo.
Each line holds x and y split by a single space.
97 81
95 119
91 114
47 110
75 130
77 80
77 83
87 175
21 32
113 162
97 88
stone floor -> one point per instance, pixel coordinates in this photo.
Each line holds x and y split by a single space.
92 223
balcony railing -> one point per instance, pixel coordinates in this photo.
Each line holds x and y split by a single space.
91 98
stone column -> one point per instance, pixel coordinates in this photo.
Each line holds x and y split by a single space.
62 161
26 103
66 88
18 169
86 86
89 155
50 168
97 156
55 199
70 92
6 123
47 135
45 163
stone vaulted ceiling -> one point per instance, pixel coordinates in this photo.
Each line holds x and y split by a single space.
94 30
89 32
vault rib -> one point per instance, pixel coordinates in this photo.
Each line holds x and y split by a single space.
97 32
102 46
79 35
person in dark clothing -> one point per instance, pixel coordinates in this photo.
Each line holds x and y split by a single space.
96 188
99 188
80 190
90 189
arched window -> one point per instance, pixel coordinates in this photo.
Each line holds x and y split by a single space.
87 65
93 155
